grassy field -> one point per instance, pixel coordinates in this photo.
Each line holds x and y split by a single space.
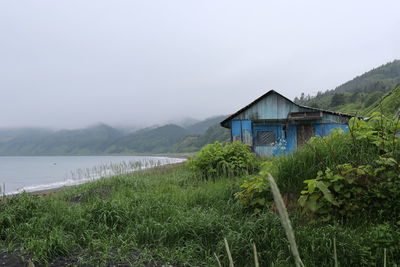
167 216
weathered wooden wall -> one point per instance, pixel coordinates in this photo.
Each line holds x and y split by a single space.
271 114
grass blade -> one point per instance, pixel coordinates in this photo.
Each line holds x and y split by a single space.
229 253
216 257
384 257
335 252
256 263
285 220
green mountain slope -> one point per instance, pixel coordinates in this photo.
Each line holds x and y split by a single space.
157 140
389 105
358 94
194 143
93 140
88 141
21 141
388 75
202 126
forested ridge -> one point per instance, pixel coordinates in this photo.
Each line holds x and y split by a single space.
359 95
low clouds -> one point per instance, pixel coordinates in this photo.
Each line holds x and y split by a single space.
74 63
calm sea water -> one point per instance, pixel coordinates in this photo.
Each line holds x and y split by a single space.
37 173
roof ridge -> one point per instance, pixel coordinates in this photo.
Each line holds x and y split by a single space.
273 91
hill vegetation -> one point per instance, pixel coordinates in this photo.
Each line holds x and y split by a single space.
388 105
360 94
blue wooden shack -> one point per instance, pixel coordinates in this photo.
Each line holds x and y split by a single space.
274 125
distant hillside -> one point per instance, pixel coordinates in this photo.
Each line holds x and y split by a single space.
212 134
92 140
103 139
9 135
360 93
387 75
157 140
202 126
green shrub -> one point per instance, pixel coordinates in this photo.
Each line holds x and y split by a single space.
255 191
218 160
319 154
370 189
352 191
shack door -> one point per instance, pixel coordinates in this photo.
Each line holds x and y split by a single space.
304 133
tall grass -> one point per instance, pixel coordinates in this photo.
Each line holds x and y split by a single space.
165 216
320 153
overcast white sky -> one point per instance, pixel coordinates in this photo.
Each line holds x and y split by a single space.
71 63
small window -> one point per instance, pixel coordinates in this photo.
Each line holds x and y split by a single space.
265 138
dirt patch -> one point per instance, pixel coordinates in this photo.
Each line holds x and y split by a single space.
11 259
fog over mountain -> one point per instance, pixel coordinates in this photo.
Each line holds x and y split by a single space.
69 64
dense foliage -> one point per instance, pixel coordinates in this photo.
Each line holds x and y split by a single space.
371 189
255 190
223 160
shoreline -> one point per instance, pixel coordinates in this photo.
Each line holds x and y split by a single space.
49 191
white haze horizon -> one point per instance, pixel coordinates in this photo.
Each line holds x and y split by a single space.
71 64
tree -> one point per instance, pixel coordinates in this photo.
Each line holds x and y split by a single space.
338 99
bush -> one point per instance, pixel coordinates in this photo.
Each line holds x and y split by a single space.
319 154
255 193
217 160
371 189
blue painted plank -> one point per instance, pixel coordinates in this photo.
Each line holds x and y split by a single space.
319 130
236 130
291 138
247 129
271 107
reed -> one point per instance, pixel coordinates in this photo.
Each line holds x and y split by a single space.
256 262
228 251
287 225
335 253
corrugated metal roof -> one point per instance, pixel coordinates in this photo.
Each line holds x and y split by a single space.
224 122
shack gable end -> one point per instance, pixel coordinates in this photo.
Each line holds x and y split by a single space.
272 106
